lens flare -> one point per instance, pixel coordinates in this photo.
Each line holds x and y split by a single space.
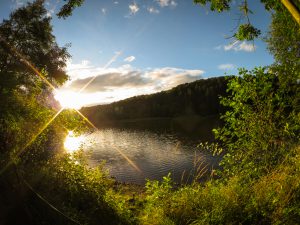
69 99
73 143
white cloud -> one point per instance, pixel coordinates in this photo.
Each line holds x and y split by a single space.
237 46
117 83
173 3
154 80
79 70
18 3
246 47
104 11
227 66
219 47
129 59
165 3
116 2
134 8
50 12
50 6
153 10
169 77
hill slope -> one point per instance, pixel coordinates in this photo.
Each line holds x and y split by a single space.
185 104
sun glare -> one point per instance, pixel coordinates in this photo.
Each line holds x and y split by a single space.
73 143
69 99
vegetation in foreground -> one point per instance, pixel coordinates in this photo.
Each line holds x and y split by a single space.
89 196
259 182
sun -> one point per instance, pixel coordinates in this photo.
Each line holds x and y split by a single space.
73 143
69 99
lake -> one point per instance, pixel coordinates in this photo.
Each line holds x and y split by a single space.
132 156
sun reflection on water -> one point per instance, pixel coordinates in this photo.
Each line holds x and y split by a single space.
72 142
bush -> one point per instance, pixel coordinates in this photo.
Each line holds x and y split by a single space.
262 123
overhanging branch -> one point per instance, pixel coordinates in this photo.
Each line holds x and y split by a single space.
292 9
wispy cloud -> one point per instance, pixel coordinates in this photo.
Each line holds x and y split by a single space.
133 8
50 12
246 47
165 3
80 70
17 3
227 66
168 77
152 10
51 7
129 59
237 46
104 11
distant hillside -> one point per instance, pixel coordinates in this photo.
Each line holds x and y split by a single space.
196 100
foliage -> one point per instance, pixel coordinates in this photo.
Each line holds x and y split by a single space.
263 120
218 5
68 8
261 125
26 38
30 139
157 196
195 98
27 105
21 116
78 190
246 32
271 199
26 102
283 40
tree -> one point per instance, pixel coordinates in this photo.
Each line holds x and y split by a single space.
26 38
68 8
246 31
27 47
283 39
262 123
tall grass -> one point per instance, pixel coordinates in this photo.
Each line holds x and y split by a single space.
271 199
90 196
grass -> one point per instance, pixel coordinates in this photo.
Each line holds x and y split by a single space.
272 199
90 196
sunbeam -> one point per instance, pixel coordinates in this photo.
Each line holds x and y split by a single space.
27 63
86 119
129 160
31 141
114 58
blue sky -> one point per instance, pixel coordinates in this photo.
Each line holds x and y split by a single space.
152 45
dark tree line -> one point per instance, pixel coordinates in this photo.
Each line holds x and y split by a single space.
197 98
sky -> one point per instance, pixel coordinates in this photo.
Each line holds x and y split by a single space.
123 48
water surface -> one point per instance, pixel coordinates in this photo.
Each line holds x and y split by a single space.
133 156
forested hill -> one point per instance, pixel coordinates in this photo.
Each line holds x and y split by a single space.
199 98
